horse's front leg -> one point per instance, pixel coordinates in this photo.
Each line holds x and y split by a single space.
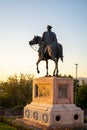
46 67
37 65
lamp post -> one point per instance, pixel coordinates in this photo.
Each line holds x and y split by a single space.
76 81
76 70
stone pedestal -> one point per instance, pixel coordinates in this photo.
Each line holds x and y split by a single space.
53 103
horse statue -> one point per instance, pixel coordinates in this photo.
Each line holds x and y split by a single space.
52 51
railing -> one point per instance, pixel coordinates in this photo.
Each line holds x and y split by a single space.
11 112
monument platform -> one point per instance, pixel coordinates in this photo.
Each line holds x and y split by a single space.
53 103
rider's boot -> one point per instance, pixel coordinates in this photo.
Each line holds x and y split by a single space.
42 55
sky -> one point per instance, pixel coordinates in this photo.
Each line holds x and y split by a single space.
20 20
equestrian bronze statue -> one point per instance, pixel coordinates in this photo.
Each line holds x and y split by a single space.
53 51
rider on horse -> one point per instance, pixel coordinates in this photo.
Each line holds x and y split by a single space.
48 37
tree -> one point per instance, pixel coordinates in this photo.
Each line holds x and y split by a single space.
17 91
82 96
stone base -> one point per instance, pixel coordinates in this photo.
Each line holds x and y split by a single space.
53 114
52 103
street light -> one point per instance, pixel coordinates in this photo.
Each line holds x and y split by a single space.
76 69
76 81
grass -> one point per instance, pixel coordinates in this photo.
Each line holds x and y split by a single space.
4 126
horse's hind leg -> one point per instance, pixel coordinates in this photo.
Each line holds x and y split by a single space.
55 72
57 69
47 67
55 66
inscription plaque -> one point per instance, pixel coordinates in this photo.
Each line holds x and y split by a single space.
42 90
62 91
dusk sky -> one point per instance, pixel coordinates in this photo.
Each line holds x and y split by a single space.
20 20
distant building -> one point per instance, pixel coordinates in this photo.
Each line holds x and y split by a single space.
81 79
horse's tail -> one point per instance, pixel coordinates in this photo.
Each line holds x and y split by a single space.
60 49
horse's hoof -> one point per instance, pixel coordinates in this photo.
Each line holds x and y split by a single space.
46 75
38 71
56 75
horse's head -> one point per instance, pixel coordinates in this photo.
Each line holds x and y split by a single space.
35 40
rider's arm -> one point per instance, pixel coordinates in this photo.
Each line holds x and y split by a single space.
55 38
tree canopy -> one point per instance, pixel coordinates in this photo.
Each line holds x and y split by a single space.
17 91
82 96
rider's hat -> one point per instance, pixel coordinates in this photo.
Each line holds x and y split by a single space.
48 26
